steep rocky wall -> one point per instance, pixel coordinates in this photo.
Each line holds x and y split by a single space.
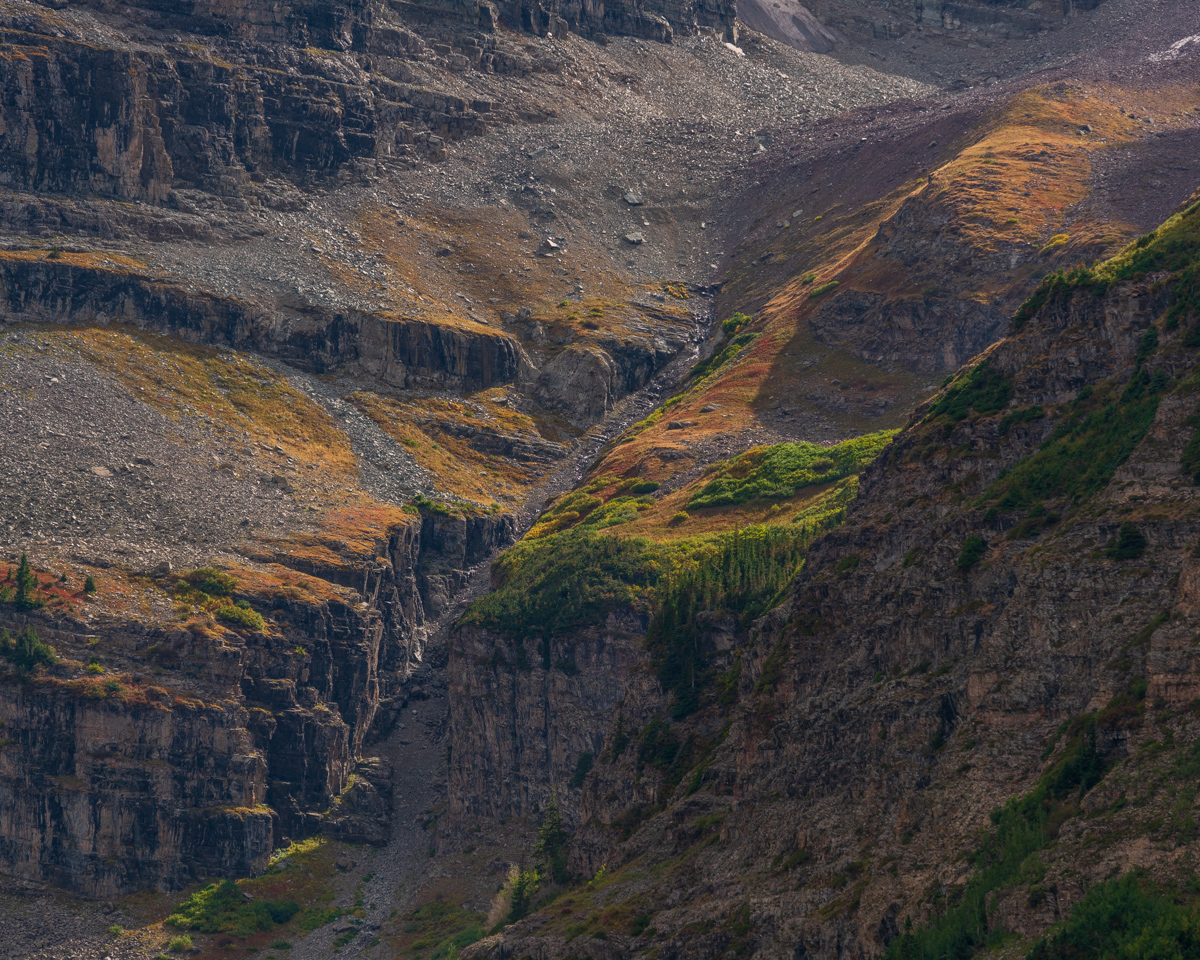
100 109
1005 19
399 351
521 715
202 748
104 797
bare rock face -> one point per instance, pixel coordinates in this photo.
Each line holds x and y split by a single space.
241 740
399 351
106 798
523 715
988 18
586 380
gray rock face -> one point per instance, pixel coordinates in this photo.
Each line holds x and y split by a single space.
400 352
790 22
243 738
522 717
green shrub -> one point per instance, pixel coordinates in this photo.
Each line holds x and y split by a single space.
221 908
1021 828
89 585
315 917
179 944
1129 543
1017 417
563 581
443 928
984 390
723 356
973 549
1081 454
779 471
1129 918
26 652
644 486
553 843
240 615
116 930
1147 345
583 767
824 288
522 888
735 323
210 580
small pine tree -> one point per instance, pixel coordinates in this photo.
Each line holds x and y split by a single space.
523 885
551 846
27 586
89 585
26 652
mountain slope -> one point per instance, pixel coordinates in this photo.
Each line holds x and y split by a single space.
1007 612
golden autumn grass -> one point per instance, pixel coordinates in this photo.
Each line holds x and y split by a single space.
239 394
1015 179
426 427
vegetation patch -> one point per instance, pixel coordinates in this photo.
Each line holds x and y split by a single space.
564 581
1174 248
779 471
1130 917
744 572
1022 827
1083 451
439 930
722 356
223 908
983 390
26 652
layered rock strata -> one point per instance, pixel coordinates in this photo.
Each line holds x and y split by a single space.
204 747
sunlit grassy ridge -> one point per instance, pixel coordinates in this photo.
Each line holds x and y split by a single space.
1174 249
574 578
778 471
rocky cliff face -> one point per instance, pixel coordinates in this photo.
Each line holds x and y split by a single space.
1018 562
1000 20
402 352
197 750
85 110
522 717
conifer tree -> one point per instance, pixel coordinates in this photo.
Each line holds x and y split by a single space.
552 839
27 586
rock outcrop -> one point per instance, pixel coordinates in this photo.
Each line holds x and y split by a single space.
399 351
525 717
204 747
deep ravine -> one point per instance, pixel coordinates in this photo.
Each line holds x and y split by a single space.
416 746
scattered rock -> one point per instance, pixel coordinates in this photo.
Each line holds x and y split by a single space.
633 198
635 238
